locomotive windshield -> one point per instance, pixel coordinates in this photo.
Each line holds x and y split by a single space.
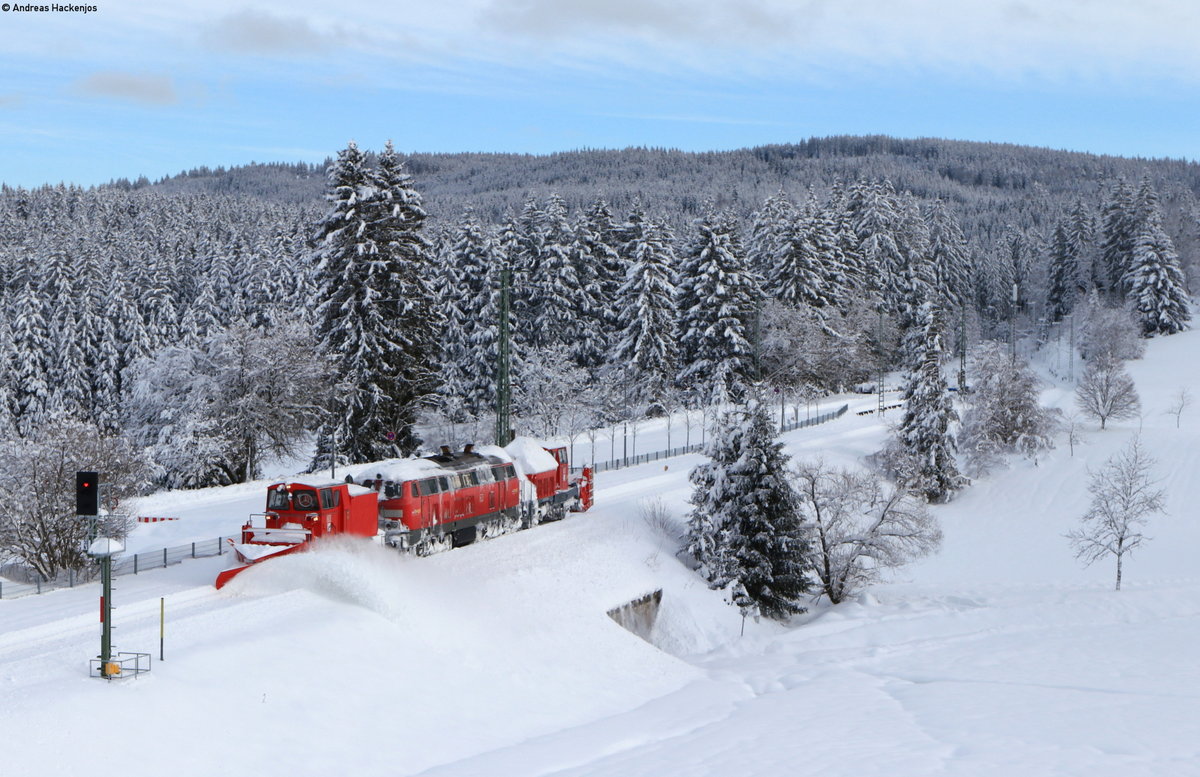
282 499
277 499
304 500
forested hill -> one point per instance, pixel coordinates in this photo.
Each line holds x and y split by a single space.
1012 184
131 307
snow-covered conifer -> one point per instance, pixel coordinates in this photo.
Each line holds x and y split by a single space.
716 299
1154 281
769 228
1118 228
375 308
646 350
745 526
926 446
949 255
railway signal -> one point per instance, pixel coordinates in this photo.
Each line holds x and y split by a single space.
87 493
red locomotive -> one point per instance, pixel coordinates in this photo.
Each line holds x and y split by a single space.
424 504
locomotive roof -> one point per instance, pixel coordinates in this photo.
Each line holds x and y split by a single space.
311 483
458 462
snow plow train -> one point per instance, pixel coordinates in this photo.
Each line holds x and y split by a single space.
424 505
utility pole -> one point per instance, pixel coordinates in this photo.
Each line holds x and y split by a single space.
879 390
962 350
504 433
1012 322
1071 353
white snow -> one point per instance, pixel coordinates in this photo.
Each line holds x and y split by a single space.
531 455
105 546
397 470
998 657
254 552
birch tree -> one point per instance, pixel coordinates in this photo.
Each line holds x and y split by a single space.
1123 499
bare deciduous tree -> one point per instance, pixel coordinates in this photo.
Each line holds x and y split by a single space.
860 526
38 526
1180 402
1106 391
1123 496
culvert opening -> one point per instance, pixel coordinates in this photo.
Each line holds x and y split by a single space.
639 615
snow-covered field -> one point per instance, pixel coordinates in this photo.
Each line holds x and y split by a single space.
999 656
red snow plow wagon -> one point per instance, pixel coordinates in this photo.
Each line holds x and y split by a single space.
426 505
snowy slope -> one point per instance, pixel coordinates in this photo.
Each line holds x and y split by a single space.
1000 656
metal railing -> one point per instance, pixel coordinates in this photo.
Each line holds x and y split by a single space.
642 458
126 565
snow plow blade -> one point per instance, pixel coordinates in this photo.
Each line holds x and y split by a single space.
258 558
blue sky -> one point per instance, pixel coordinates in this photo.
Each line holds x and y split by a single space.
139 89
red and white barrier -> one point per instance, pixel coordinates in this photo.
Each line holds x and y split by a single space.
153 519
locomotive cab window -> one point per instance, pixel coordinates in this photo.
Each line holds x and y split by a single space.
304 500
330 498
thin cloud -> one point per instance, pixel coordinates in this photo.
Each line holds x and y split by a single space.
151 90
11 100
1017 37
692 119
704 22
260 32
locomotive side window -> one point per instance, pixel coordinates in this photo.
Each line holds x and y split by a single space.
428 487
484 474
444 482
330 498
413 489
510 471
304 500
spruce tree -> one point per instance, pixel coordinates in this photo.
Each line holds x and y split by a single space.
770 228
469 356
926 445
601 268
525 243
29 370
745 527
1064 274
646 350
1118 229
560 298
875 216
1154 280
375 313
806 262
717 294
950 256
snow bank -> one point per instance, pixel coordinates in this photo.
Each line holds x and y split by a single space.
531 455
398 470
